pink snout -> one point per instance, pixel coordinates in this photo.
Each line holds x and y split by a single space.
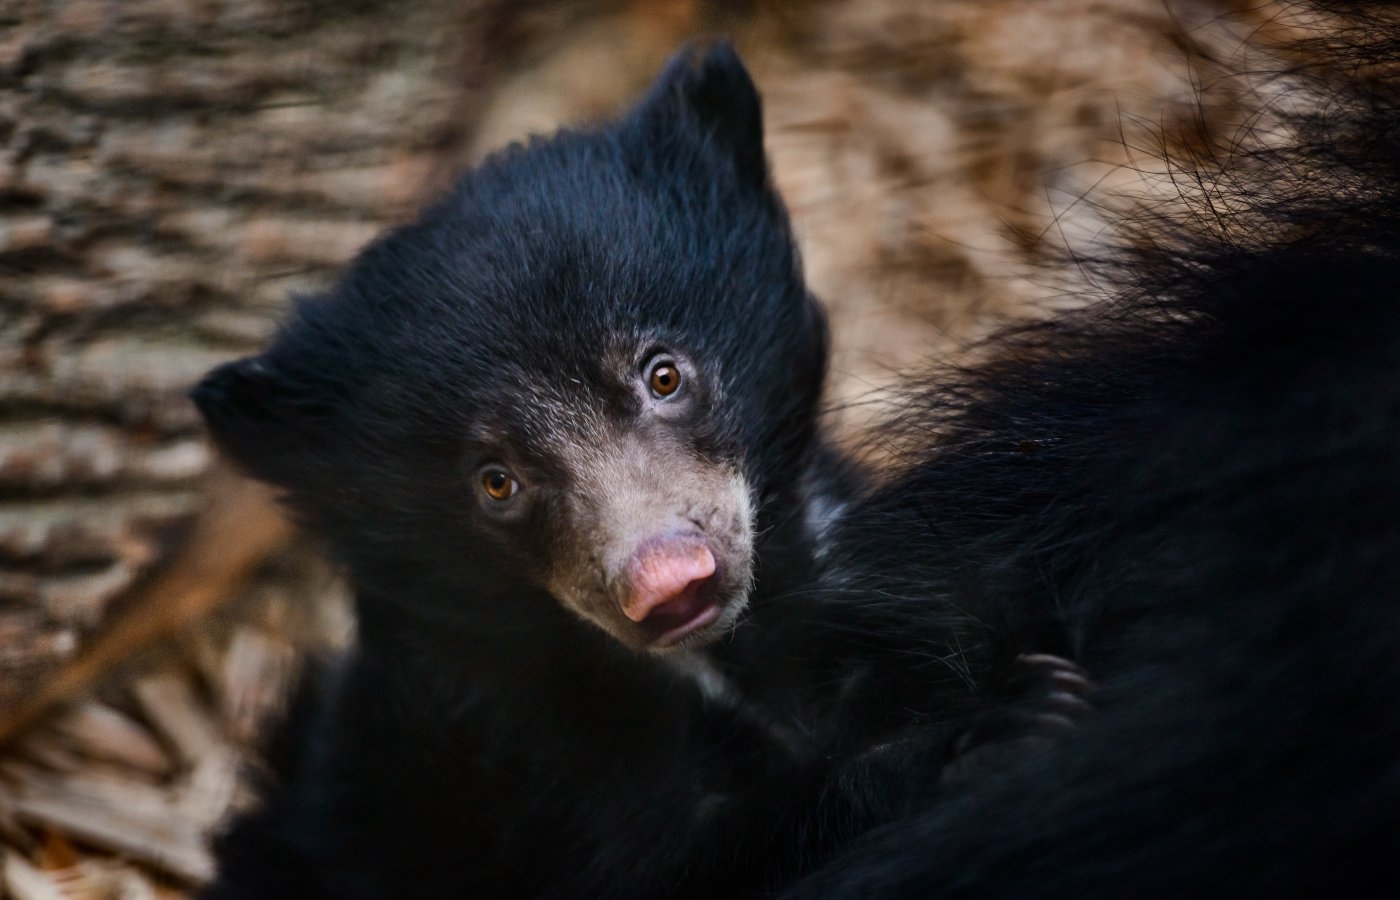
665 588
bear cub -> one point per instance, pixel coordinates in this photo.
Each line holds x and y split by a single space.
550 432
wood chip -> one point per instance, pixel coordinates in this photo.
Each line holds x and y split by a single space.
24 881
257 672
12 834
57 852
170 704
103 733
130 818
207 794
105 879
51 752
132 885
82 883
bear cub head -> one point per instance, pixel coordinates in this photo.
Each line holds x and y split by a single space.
584 380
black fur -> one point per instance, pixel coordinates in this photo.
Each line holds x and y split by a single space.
1193 489
481 740
661 226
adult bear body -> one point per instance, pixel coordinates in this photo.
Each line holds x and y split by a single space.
1193 489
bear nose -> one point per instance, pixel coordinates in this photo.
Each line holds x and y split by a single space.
666 574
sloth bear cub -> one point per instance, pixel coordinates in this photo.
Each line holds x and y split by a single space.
535 431
560 433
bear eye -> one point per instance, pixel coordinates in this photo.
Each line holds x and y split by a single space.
665 378
499 485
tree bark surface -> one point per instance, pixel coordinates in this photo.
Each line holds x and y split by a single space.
170 172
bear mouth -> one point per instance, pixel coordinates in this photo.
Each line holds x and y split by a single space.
705 616
685 615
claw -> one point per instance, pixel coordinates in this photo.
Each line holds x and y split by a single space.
1047 700
1067 703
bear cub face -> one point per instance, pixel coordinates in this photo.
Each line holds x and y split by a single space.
583 380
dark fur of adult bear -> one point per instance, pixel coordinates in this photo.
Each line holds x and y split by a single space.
1193 489
560 433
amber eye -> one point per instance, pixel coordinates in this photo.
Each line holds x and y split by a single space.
498 484
665 378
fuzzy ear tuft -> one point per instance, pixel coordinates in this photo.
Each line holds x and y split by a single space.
253 417
709 91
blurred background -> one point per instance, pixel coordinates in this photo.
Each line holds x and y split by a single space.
172 170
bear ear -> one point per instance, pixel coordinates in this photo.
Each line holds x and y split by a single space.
255 417
708 92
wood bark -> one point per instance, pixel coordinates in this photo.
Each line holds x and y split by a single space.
170 172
